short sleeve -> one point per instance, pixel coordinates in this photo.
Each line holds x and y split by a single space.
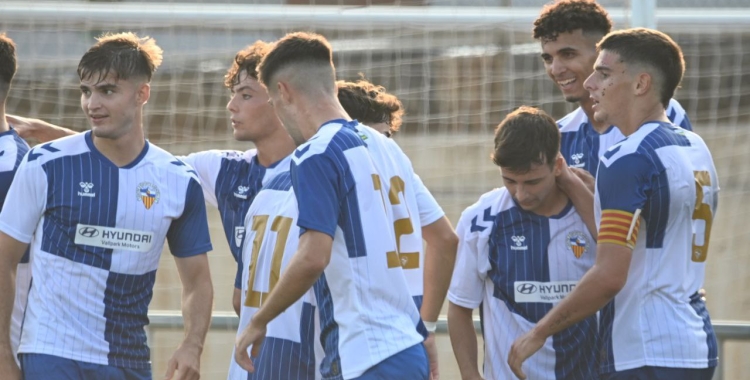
467 284
207 165
429 210
318 187
188 234
25 201
623 188
624 184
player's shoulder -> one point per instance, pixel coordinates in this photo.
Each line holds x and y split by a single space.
64 147
646 141
160 158
573 121
481 214
332 138
279 182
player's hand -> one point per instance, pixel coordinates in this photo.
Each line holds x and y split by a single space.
185 363
253 335
586 177
9 368
25 127
522 349
432 355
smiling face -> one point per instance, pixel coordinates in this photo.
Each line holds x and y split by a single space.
569 60
610 87
112 105
253 118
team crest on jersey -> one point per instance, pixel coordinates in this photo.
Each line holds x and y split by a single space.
148 193
518 243
242 192
86 190
577 157
578 244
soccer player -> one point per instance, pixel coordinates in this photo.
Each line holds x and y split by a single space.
371 105
416 213
96 208
347 249
12 150
656 195
230 179
568 31
522 248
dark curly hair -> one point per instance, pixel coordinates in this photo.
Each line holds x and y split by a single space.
565 16
7 61
370 104
247 61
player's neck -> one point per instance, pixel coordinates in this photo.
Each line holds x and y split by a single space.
275 147
4 126
587 105
123 150
321 112
641 114
554 204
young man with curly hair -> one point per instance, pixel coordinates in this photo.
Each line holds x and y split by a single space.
568 31
656 196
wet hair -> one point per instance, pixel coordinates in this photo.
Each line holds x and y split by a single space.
246 61
652 49
370 104
565 16
124 54
525 137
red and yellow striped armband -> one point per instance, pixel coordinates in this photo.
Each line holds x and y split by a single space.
619 227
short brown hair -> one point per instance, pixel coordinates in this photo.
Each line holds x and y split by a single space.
8 62
526 136
294 48
651 48
124 54
566 16
370 104
246 61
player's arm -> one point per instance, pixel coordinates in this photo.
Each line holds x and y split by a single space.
37 129
189 241
23 207
464 296
11 251
197 301
305 267
318 191
579 193
440 257
236 299
622 187
463 340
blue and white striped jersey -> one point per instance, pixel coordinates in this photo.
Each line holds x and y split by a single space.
658 319
230 181
12 150
96 233
289 350
412 205
519 265
366 310
582 146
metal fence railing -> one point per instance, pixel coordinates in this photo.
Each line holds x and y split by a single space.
163 319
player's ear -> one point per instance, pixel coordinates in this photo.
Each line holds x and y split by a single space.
558 165
285 93
144 92
642 83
